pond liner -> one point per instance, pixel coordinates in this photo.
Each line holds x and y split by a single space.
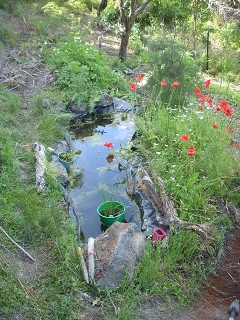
118 106
72 212
150 216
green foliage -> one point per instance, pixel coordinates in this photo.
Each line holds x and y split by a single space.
109 16
191 181
224 56
56 8
82 72
38 221
167 12
221 62
10 111
7 36
175 269
171 61
67 157
228 34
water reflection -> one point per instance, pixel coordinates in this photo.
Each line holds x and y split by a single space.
100 168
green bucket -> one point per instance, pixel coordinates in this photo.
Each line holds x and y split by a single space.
115 209
64 163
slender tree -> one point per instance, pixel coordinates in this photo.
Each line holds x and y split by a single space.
126 22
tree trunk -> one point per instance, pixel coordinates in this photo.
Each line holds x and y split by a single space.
124 46
103 5
126 22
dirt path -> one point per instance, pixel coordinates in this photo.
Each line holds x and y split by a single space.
222 288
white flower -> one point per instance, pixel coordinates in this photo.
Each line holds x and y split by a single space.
157 152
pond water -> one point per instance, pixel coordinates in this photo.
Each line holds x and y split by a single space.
97 171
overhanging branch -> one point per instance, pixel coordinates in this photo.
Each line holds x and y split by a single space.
142 8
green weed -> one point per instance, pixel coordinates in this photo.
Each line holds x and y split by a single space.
82 72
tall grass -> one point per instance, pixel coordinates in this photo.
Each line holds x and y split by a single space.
193 181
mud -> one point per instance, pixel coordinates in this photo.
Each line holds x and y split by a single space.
224 287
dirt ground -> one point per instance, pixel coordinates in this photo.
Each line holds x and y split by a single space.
221 289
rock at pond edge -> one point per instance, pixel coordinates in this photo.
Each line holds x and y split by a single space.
118 249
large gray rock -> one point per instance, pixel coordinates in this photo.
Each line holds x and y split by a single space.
106 101
118 249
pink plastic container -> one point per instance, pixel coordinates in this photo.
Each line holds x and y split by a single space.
158 234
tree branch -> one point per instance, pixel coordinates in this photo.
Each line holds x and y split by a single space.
142 8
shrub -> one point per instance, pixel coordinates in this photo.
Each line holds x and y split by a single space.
82 71
170 61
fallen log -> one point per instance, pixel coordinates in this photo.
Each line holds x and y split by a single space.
40 165
165 206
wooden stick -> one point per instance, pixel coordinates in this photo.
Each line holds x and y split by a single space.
25 22
11 8
83 264
25 252
231 277
91 259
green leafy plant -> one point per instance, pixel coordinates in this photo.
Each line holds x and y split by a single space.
66 156
83 72
171 61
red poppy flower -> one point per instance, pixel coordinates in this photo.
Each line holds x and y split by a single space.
228 112
218 108
163 83
210 102
197 91
185 137
133 86
139 78
175 84
230 128
207 83
203 98
223 104
108 144
237 145
215 126
200 107
191 151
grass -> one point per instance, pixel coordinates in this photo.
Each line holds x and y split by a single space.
36 221
40 223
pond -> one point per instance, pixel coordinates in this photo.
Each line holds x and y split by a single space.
98 171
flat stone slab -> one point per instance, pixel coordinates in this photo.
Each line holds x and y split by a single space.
118 249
